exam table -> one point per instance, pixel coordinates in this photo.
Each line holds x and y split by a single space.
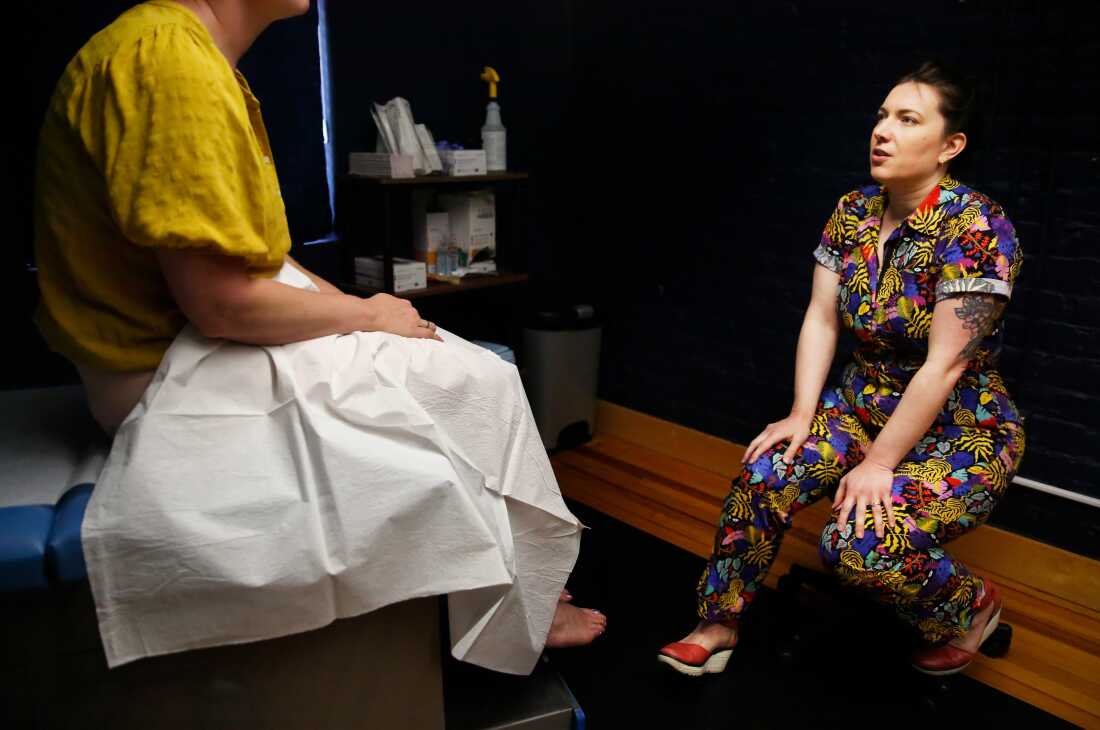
381 669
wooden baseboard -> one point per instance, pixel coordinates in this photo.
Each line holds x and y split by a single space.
669 481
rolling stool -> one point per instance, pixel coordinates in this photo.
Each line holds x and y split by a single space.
933 691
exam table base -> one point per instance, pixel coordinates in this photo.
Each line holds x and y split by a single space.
382 669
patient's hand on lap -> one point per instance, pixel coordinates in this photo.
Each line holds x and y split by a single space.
388 313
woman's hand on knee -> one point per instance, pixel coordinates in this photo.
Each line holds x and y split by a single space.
794 427
867 485
398 316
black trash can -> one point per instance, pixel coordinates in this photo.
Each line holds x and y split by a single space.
561 354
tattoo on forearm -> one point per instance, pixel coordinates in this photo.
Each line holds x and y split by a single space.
979 315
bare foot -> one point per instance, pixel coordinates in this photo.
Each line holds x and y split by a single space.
712 637
574 626
566 596
972 639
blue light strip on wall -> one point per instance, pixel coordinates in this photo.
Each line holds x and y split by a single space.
326 117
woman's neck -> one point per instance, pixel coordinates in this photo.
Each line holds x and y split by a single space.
230 24
904 197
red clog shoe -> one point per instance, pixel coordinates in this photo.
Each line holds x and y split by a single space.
947 659
694 660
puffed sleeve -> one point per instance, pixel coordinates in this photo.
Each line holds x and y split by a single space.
980 254
829 251
178 153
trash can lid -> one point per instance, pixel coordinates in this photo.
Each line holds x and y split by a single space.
566 317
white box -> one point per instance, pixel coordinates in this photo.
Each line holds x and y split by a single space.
461 163
407 274
473 224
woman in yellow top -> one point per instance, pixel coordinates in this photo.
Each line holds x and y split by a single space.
154 155
158 205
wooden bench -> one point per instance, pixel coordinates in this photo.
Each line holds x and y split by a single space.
670 481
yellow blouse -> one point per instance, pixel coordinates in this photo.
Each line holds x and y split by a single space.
150 140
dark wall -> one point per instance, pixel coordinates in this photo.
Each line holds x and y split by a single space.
283 70
685 157
725 135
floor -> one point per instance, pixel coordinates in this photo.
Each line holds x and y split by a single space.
847 668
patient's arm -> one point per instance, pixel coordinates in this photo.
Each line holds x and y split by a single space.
218 295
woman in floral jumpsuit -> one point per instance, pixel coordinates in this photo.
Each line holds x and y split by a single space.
920 438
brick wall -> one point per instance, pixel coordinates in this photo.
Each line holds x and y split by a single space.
724 136
686 155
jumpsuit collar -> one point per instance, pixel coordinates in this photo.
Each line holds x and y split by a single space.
924 221
927 216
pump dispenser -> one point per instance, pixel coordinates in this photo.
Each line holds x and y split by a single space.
493 135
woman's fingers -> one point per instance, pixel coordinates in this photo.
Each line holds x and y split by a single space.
890 513
768 443
792 428
750 452
418 328
754 445
876 512
845 509
797 440
860 515
398 316
841 491
788 455
767 440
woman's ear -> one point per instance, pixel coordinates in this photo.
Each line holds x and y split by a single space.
952 147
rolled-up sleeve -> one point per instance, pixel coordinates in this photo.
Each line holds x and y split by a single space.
980 256
830 249
179 157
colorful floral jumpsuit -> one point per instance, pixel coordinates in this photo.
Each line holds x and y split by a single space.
955 243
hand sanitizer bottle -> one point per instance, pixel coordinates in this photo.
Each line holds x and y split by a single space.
493 134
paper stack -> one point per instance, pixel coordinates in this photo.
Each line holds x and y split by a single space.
399 133
380 164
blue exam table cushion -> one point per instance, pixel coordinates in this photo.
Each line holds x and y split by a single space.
24 532
64 553
48 443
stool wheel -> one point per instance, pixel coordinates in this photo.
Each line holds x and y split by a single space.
998 643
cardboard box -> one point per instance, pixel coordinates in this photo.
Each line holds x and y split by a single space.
431 232
473 224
